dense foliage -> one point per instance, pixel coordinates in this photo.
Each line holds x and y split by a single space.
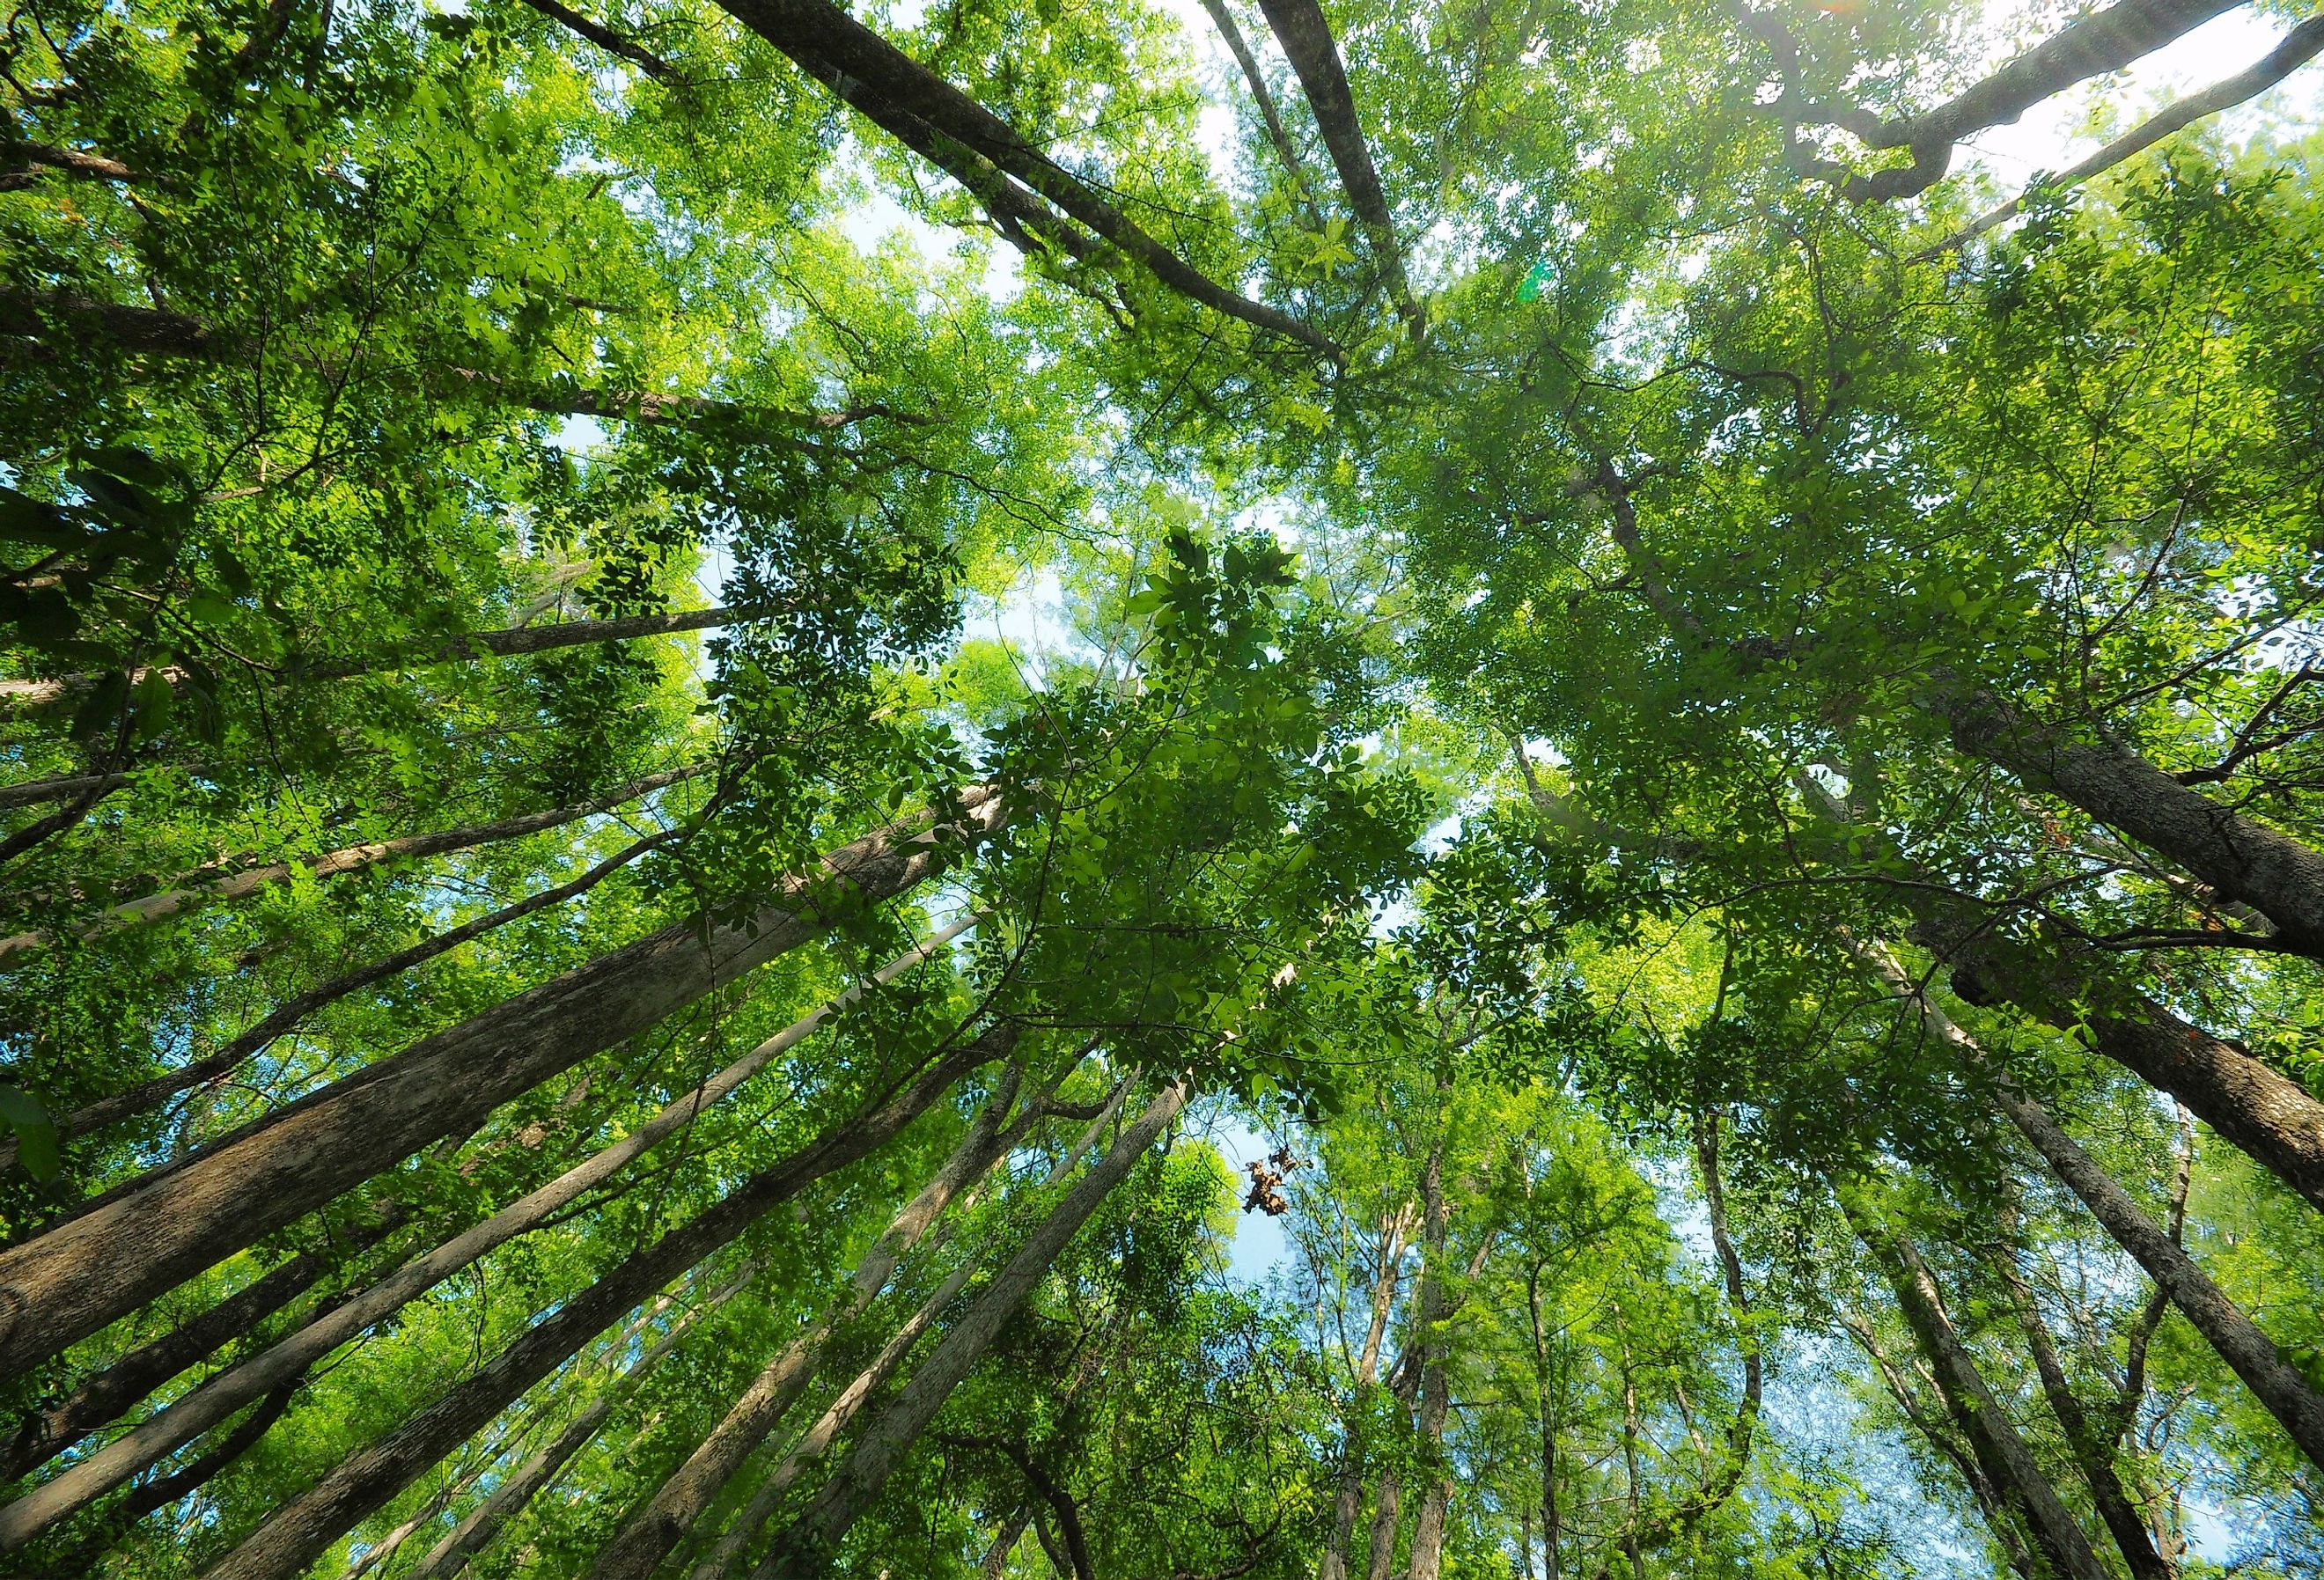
1284 793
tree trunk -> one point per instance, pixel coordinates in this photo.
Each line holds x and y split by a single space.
196 1413
362 1484
144 1237
1349 1499
149 1094
843 1411
1427 1555
803 1550
2280 1387
476 1530
674 1508
102 1397
464 648
2242 859
353 858
2008 1461
2093 1457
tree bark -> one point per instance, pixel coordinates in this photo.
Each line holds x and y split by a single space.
300 1531
187 1418
2106 41
2007 1460
843 1411
149 1094
476 1530
804 1549
143 1238
1304 32
2248 1352
678 1503
2298 47
2092 1456
102 1397
904 97
2241 859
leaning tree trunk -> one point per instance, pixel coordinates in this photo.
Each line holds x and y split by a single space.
2243 860
2287 1395
476 1529
302 1529
2271 1117
187 1418
54 1427
464 648
146 1237
214 1067
841 1413
804 1548
2092 1455
678 1503
2008 1461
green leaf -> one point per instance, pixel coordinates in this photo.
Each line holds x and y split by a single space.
38 1145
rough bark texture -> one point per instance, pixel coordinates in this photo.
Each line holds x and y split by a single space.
143 1238
2007 1460
102 1397
657 1527
351 858
803 1550
2242 859
906 100
367 1479
288 1359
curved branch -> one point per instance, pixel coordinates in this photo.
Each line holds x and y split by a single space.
2298 46
910 102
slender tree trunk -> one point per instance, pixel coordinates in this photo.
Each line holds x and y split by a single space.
674 1508
1349 1499
2243 860
351 858
843 1411
1998 1520
189 1416
102 1397
804 1547
476 1530
2093 1457
144 1237
32 792
152 1094
1427 1555
2296 1407
2271 1117
2009 1462
1388 1509
362 1484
